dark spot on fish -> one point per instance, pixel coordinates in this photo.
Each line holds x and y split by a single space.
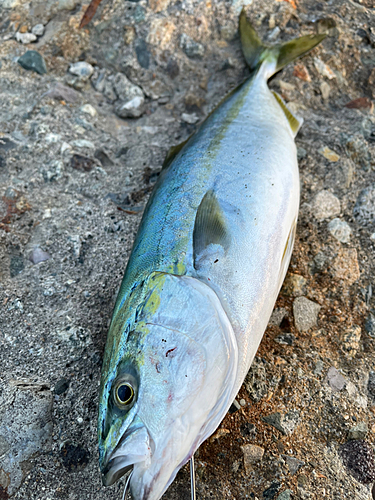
169 351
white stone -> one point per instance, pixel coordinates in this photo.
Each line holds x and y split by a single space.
132 108
25 38
325 205
340 230
325 89
65 147
90 110
83 143
38 30
82 69
305 313
323 69
190 118
52 138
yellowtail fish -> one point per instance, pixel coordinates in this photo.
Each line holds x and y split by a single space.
207 264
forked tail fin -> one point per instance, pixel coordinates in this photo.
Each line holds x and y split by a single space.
255 51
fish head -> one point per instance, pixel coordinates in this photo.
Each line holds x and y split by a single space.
170 388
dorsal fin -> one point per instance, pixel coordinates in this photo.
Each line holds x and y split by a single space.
210 226
173 152
294 122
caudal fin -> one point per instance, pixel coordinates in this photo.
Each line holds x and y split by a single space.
255 51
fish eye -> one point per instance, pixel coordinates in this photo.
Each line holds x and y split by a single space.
124 394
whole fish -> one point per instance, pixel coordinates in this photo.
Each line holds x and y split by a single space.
206 267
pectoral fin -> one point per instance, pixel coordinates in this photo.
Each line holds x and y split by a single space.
210 225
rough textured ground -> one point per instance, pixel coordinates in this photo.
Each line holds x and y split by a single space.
73 182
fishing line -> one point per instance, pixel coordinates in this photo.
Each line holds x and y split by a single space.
126 485
192 478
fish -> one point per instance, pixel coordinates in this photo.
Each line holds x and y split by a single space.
207 264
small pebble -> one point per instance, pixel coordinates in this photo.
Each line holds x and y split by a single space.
142 53
371 386
67 4
285 339
294 285
125 89
25 38
359 431
272 491
325 205
340 230
364 209
323 69
242 402
351 341
131 109
325 90
285 495
284 423
335 380
318 367
301 153
90 110
293 463
370 325
83 143
345 266
305 313
38 30
33 61
82 69
256 381
191 47
63 93
190 118
38 255
252 454
277 316
80 420
329 154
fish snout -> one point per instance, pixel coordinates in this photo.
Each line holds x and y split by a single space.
133 448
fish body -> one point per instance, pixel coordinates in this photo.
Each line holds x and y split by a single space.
207 264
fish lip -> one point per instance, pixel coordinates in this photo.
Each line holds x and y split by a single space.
133 448
114 470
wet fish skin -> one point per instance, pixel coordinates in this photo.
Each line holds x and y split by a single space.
207 264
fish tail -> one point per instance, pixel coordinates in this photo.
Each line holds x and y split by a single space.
278 56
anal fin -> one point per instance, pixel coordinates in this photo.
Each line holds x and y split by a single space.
295 122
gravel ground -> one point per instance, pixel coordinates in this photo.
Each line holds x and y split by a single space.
80 148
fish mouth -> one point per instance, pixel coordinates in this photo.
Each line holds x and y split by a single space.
133 448
115 469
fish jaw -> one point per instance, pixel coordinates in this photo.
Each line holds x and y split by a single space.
133 448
